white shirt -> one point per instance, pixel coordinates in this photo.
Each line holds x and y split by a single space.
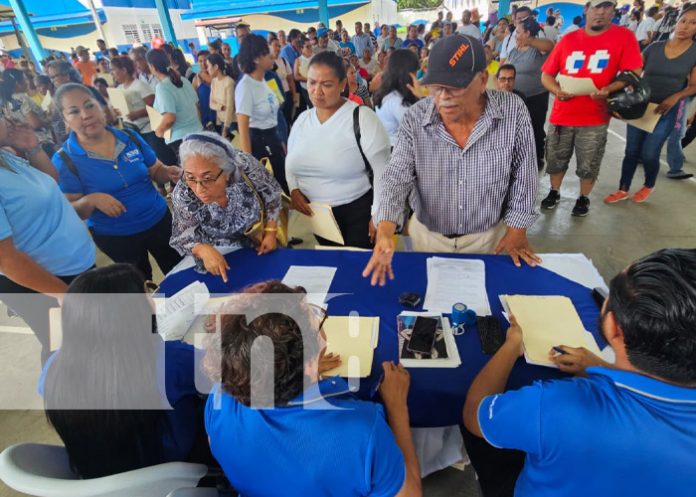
135 93
510 42
324 161
470 30
390 113
552 33
573 27
646 26
150 79
256 99
371 68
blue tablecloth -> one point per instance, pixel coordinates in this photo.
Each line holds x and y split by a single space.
437 396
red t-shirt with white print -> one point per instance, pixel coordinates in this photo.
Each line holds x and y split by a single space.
599 57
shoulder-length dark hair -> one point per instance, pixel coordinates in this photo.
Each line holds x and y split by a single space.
160 61
101 390
253 47
397 77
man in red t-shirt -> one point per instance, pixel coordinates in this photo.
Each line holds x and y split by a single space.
599 51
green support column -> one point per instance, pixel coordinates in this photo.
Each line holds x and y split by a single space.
166 22
324 12
28 30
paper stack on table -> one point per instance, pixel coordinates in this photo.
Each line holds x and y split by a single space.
546 322
315 279
445 352
453 280
354 338
176 314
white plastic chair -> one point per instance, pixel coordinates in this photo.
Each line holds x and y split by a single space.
44 471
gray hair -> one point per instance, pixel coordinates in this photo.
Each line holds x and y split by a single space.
65 67
221 151
67 88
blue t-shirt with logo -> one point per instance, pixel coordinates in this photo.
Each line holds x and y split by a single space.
324 442
127 179
610 434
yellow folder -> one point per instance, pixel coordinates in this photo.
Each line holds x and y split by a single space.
354 338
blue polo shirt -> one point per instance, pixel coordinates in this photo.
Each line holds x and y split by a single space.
178 425
311 447
127 179
612 433
40 221
289 54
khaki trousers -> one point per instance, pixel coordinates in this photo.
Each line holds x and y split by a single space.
425 240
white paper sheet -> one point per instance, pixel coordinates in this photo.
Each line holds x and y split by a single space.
117 97
155 120
647 121
456 280
176 314
577 86
315 279
323 223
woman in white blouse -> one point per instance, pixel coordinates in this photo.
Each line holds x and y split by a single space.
221 94
333 170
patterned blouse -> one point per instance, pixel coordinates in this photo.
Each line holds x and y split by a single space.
195 222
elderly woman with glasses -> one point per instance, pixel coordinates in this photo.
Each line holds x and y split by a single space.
223 194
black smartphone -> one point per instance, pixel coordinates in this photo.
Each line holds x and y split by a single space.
423 336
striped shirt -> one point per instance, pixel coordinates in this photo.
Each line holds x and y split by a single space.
464 191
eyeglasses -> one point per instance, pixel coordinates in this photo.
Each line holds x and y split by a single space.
203 183
151 287
507 80
437 90
320 314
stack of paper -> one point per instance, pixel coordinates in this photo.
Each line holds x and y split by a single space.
577 86
315 279
117 98
354 338
449 359
176 314
456 280
156 120
546 322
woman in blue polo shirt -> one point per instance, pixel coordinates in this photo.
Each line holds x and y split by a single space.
118 396
108 175
43 243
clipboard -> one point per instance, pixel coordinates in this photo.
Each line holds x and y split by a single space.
577 87
324 223
156 120
648 121
117 97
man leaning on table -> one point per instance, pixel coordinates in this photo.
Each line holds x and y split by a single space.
622 429
466 159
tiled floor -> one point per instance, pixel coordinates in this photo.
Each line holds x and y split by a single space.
611 236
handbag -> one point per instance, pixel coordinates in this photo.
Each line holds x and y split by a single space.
256 231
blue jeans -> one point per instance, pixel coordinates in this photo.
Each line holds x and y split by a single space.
644 146
675 154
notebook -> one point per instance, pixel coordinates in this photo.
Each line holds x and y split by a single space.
548 321
354 338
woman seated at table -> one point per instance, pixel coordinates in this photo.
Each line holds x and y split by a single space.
108 390
108 175
342 182
217 202
272 421
43 243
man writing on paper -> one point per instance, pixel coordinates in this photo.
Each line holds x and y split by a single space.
599 51
626 429
465 159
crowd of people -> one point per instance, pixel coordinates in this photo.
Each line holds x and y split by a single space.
441 137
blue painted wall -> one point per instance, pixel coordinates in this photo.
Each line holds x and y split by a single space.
147 4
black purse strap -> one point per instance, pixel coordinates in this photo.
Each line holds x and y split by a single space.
358 136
